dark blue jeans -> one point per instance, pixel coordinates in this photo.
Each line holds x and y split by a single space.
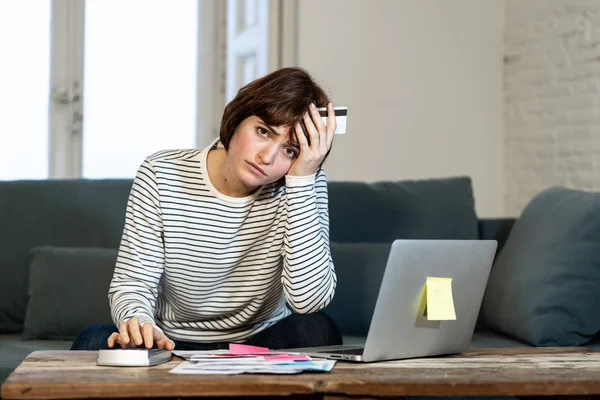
297 330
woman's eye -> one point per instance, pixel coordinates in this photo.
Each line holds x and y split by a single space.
262 131
290 152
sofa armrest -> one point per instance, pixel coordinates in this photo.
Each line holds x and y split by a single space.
495 229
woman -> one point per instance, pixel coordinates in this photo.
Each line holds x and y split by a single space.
231 243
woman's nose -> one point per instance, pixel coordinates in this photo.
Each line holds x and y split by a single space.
267 154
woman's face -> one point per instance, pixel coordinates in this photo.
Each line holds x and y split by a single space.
260 153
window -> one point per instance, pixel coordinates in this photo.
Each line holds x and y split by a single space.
24 79
139 82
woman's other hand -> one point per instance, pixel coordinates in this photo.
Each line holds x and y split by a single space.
321 136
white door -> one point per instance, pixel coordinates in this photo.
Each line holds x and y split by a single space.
253 42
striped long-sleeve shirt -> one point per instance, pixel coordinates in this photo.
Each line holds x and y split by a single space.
206 267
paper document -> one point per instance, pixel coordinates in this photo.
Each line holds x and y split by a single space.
440 303
241 359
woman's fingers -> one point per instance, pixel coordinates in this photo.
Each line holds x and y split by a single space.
312 131
331 125
302 141
321 128
112 339
316 118
134 331
165 343
123 333
148 334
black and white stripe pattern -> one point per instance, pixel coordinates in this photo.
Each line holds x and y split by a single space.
206 267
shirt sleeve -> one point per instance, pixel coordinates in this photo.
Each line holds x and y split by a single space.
308 277
140 263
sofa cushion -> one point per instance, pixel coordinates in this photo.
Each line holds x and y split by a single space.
487 339
544 288
70 212
381 212
68 291
359 268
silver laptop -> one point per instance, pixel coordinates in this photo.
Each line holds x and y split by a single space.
399 327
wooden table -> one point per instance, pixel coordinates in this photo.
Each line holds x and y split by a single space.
483 372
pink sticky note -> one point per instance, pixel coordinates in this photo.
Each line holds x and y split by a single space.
245 349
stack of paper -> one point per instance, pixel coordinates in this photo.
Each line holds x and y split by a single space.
240 359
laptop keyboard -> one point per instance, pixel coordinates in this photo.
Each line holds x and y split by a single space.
357 351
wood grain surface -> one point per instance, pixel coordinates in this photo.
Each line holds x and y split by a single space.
481 372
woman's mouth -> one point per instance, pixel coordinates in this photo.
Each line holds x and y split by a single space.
255 169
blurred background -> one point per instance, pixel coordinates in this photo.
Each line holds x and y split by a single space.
503 91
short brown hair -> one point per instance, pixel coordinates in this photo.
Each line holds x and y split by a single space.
279 98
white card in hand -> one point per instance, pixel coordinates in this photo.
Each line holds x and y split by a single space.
341 114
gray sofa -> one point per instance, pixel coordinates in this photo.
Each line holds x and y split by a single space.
59 238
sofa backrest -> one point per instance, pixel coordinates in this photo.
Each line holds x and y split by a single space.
380 212
496 229
75 213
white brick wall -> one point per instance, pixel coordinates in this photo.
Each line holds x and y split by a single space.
552 97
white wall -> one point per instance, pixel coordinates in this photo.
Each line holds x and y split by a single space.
552 97
423 83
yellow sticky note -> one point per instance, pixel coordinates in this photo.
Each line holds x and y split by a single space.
440 304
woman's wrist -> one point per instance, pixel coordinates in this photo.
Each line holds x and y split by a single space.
295 180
